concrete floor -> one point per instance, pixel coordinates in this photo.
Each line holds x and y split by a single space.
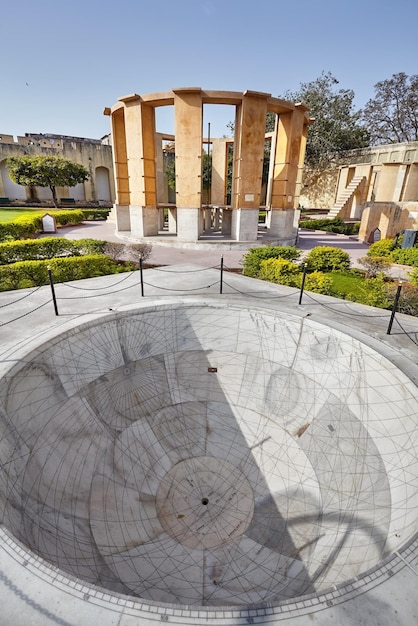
297 422
165 253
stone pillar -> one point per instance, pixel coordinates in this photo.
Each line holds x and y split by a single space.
216 217
172 220
188 122
120 162
140 147
287 173
271 167
226 221
161 220
162 190
248 165
207 219
219 170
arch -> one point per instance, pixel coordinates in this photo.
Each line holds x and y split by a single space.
102 184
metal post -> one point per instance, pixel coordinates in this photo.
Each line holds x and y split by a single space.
51 282
142 276
303 283
222 274
395 306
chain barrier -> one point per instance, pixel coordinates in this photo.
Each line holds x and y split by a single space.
182 290
2 306
97 295
201 269
26 314
250 294
127 275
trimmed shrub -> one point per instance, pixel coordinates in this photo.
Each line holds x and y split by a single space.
28 226
413 277
47 248
381 248
375 292
280 271
327 259
374 265
95 214
336 225
64 218
254 256
318 283
34 273
405 256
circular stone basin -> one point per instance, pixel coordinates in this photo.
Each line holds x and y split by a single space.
208 454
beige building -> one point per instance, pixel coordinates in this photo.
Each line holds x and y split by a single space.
141 198
378 186
94 154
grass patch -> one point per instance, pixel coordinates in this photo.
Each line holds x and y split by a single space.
345 283
9 215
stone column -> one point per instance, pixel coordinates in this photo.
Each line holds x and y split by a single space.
219 170
140 147
287 174
207 219
188 121
120 163
162 190
172 220
248 165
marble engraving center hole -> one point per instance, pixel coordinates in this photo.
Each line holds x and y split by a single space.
205 501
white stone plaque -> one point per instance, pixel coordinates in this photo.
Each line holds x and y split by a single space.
249 197
49 224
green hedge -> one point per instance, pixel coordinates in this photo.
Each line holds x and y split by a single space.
34 273
327 259
95 214
405 256
402 256
280 271
284 272
381 248
252 259
29 225
47 248
336 225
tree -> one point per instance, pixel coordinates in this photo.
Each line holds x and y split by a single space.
337 126
392 115
46 171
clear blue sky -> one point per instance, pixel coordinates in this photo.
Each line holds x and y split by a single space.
63 62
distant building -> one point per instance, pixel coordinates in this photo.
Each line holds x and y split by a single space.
94 154
377 185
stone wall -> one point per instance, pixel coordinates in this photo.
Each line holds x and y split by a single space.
389 218
318 190
93 154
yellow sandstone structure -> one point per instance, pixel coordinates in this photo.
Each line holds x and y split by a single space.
137 154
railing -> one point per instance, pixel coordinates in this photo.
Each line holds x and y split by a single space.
57 294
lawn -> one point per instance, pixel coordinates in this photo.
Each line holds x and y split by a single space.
346 283
9 215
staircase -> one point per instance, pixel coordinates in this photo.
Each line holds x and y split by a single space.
345 198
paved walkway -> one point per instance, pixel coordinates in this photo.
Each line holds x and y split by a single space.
163 254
